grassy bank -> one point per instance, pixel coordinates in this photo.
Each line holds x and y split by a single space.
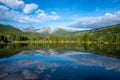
41 42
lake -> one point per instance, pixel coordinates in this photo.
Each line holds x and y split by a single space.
60 61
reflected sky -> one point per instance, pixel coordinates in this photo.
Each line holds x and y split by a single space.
70 66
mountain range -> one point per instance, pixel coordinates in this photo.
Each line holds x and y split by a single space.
110 30
46 30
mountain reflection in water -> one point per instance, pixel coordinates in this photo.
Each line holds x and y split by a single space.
111 50
58 63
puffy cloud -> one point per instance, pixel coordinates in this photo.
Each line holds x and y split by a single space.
53 13
39 11
4 13
27 19
43 16
3 8
38 17
95 22
30 7
53 16
13 14
13 3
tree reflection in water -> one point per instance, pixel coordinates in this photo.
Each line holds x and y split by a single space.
59 62
111 50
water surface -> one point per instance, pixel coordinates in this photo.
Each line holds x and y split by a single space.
59 62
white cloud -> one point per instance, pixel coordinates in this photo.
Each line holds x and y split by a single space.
43 16
13 3
38 16
3 8
53 13
27 19
53 16
3 12
13 14
30 7
39 11
95 22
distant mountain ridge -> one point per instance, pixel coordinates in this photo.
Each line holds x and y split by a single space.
47 30
113 29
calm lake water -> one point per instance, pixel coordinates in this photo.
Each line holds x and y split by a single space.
59 62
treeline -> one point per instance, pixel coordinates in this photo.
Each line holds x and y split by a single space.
11 37
101 38
110 34
28 36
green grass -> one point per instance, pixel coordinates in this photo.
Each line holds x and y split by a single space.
27 41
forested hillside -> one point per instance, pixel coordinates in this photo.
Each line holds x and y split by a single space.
8 28
106 34
109 34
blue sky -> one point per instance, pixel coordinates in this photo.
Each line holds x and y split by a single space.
74 14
